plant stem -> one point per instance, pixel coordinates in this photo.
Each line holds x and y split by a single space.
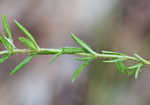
45 51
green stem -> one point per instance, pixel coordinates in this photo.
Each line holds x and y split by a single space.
45 51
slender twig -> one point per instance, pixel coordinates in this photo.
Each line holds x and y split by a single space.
86 53
46 51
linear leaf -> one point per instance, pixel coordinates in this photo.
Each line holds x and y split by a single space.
82 44
7 28
28 43
23 29
115 60
130 73
22 64
111 61
54 59
85 58
140 58
1 40
111 52
4 58
121 67
134 67
72 50
138 71
79 70
7 43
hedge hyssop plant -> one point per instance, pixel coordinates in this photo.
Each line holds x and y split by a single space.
85 52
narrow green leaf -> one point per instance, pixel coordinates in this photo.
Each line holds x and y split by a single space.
7 43
72 50
134 67
22 64
82 44
111 61
111 52
23 29
57 55
7 28
140 58
121 67
115 60
28 43
138 71
79 70
134 70
131 73
85 58
4 58
1 40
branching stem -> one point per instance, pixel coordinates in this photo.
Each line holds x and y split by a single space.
86 53
46 51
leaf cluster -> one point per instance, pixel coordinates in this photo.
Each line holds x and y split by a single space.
122 68
8 43
30 43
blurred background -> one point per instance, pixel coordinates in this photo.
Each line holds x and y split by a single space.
115 25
